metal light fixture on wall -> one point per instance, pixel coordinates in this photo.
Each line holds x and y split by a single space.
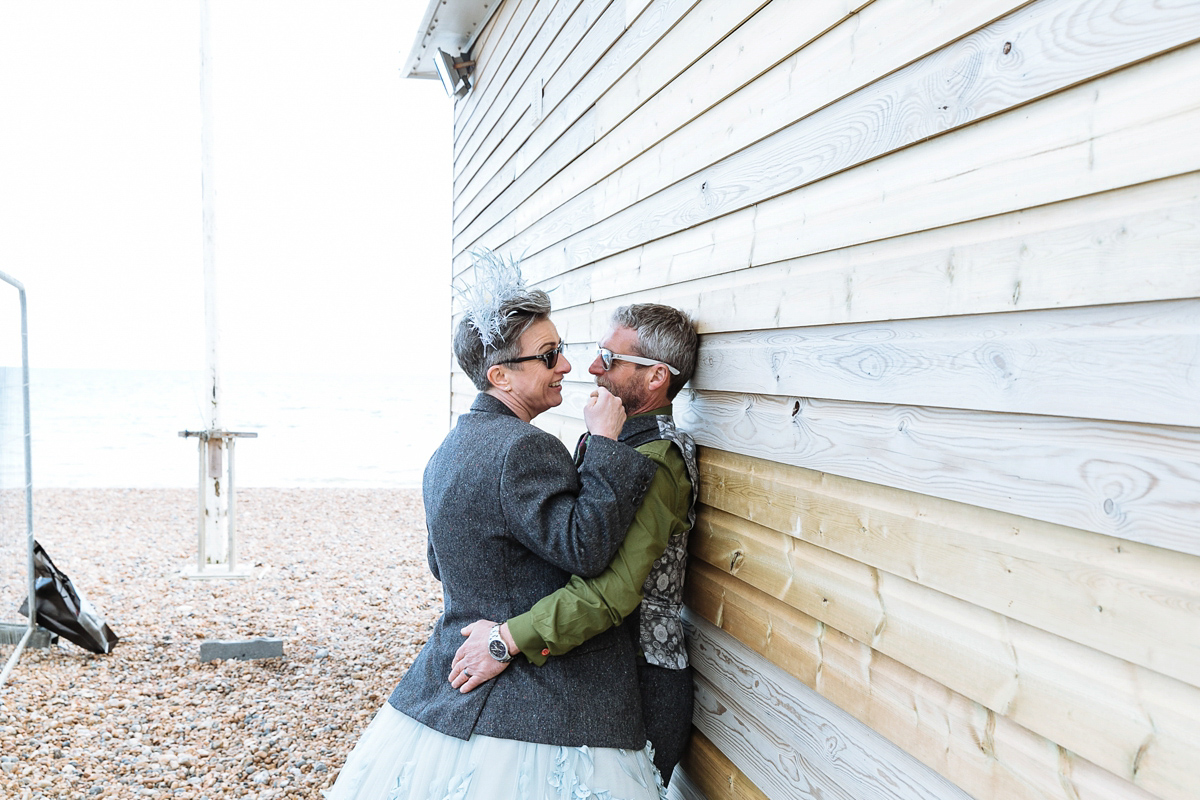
454 73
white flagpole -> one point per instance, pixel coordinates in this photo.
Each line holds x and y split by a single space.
215 551
215 505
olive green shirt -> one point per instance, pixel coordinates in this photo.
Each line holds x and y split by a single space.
585 607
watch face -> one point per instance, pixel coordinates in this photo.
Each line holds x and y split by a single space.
498 650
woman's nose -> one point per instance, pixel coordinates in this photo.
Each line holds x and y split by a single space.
563 366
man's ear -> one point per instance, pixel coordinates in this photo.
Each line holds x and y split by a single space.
660 378
497 375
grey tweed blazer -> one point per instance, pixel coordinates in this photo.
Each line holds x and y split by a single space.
510 519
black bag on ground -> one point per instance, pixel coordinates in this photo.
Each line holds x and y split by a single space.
61 610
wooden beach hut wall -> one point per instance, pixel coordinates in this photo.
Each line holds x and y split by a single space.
945 260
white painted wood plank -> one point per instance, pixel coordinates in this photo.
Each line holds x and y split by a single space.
487 53
706 26
1103 135
557 36
493 66
578 138
681 788
1132 244
1134 362
699 30
880 38
519 58
568 429
697 110
460 403
788 739
633 9
1125 128
567 97
588 34
1132 481
1098 38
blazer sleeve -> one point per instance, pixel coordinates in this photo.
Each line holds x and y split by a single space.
576 521
585 607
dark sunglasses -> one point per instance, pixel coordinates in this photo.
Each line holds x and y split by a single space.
607 357
549 358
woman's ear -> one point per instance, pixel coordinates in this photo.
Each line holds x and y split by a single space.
497 376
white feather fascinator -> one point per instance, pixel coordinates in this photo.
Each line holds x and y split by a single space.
494 281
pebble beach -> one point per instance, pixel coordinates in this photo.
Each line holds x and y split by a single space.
339 574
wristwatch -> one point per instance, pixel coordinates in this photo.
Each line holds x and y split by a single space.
497 647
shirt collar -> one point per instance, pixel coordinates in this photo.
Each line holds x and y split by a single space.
638 424
655 412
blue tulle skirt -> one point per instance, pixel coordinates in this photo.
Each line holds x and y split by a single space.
398 758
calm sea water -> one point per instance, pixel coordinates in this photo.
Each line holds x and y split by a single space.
120 428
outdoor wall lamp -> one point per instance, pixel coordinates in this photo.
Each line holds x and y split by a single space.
455 74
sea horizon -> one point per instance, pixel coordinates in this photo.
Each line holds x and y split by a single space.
119 428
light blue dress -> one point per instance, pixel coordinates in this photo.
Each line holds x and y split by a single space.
398 758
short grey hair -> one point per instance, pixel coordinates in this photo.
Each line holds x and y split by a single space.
517 313
664 334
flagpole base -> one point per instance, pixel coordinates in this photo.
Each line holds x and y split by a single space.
216 572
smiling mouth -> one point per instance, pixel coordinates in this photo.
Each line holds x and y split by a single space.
556 385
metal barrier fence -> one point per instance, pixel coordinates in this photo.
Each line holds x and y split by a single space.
16 474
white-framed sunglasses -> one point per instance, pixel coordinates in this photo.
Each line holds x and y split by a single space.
607 357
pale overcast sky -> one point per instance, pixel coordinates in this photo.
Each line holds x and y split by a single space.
332 180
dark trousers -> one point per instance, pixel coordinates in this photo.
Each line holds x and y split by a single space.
667 712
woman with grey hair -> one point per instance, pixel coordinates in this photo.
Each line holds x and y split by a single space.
510 518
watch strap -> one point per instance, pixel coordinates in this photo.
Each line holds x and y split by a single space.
497 647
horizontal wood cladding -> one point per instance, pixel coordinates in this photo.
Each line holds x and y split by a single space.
574 54
688 122
1127 480
556 37
787 739
568 111
488 53
1127 245
1131 481
494 62
817 182
657 63
944 260
1132 601
522 56
988 756
645 57
1120 362
1120 130
689 111
682 788
1135 723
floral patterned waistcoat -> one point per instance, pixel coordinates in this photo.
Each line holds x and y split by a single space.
660 632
